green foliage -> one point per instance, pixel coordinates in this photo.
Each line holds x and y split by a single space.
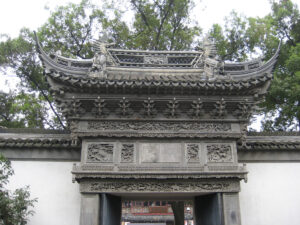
70 29
245 37
284 94
14 207
20 110
162 25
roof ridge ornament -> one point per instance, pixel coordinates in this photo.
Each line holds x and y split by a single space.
102 57
213 64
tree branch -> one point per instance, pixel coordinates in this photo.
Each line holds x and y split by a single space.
133 2
175 27
162 21
47 99
5 117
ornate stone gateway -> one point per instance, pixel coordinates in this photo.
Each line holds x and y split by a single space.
157 123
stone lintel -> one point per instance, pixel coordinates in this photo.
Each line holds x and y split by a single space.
144 186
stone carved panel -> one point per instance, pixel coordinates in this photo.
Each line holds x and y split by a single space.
100 152
160 152
158 126
127 153
219 153
159 186
193 152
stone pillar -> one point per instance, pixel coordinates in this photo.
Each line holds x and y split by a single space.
231 206
208 210
111 210
89 212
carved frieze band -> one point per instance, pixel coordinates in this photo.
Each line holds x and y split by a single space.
158 126
100 152
158 186
219 153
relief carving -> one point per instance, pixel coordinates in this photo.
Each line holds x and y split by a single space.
220 109
244 109
158 126
124 109
102 152
197 108
127 153
219 153
149 108
157 186
192 152
172 108
99 105
71 107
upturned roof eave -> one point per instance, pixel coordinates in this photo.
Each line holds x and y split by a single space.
157 77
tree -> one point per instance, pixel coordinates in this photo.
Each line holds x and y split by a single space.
20 110
14 207
244 37
160 25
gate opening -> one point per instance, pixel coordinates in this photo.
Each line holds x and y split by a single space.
157 212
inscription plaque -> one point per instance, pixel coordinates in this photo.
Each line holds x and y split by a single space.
160 153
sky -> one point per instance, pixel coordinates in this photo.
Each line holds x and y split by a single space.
15 14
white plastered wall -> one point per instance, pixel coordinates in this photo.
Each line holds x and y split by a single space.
50 182
270 197
272 194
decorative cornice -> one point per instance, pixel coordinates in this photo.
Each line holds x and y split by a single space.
36 138
276 142
158 135
273 133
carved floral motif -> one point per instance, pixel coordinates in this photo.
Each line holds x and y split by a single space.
149 110
71 107
124 107
102 152
99 107
219 153
172 108
197 110
244 109
220 109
